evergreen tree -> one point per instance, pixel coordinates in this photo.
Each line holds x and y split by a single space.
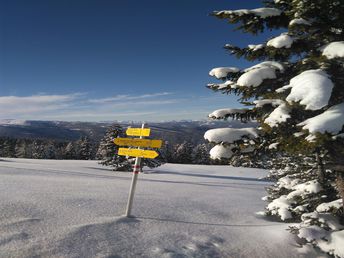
23 149
183 153
297 96
69 151
200 154
37 150
49 151
107 151
84 148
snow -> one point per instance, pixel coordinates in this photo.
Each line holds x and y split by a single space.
221 152
333 50
222 72
52 208
312 232
220 86
280 206
301 190
255 77
281 41
312 88
327 206
256 47
262 102
273 146
299 21
333 244
5 122
222 113
270 64
229 135
261 12
287 182
331 121
279 115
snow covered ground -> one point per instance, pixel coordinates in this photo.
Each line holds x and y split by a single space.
74 209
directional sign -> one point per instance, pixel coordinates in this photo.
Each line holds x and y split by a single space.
138 142
150 154
138 131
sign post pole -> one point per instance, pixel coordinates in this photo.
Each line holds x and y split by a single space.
136 170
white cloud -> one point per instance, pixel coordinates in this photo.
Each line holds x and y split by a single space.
79 107
128 97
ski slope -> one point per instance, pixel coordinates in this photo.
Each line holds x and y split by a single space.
52 208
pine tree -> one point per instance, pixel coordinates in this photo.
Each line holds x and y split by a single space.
297 96
200 154
84 148
107 151
183 153
69 151
37 150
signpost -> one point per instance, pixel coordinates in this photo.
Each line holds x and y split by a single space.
150 154
138 153
138 142
138 131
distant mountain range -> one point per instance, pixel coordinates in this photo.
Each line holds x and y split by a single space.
174 131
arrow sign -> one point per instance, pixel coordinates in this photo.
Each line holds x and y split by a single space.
138 142
150 154
138 131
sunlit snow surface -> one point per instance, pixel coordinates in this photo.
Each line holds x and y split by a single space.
74 209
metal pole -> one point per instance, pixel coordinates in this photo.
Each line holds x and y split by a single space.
136 170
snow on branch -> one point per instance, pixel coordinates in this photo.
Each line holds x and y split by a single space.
312 88
221 86
260 12
333 50
229 135
273 102
281 41
226 112
279 115
253 47
299 21
255 75
221 152
222 72
331 121
328 206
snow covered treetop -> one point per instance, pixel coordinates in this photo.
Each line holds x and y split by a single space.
222 72
260 12
229 135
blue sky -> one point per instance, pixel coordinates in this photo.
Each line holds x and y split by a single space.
114 60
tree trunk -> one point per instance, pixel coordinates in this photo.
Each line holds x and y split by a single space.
340 187
320 168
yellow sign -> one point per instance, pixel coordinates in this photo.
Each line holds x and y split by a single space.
138 131
150 154
138 142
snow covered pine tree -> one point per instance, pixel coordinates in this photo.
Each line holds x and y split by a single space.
107 151
297 96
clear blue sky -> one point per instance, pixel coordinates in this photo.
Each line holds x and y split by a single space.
94 60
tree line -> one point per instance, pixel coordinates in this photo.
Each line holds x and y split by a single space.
86 149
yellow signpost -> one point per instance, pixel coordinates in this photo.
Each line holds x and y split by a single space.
150 154
138 131
138 142
138 153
